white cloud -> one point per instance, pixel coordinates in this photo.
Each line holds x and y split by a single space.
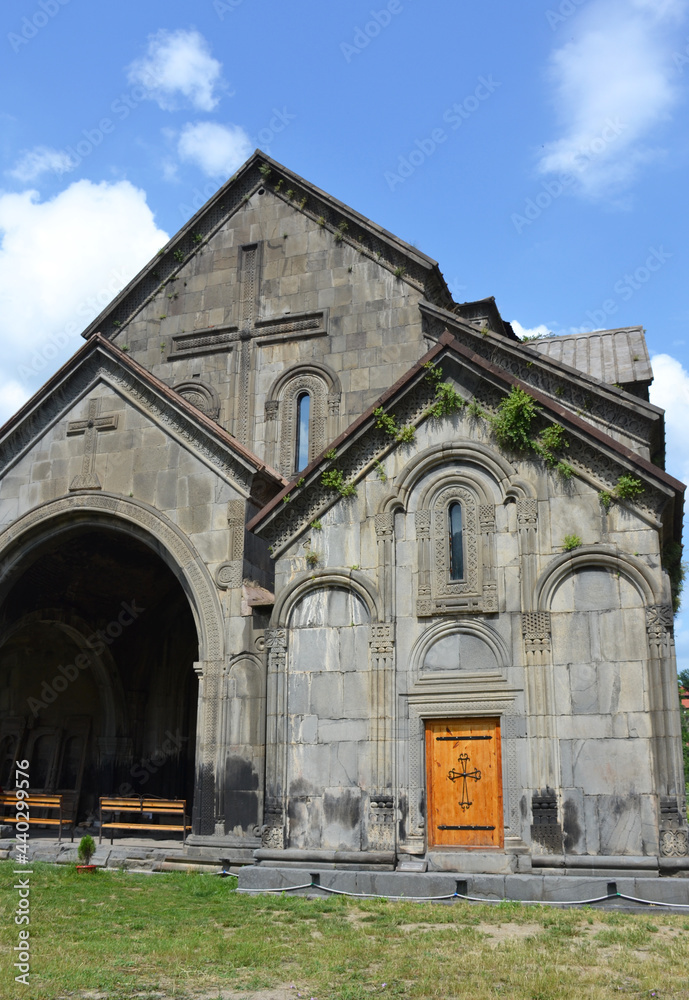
40 160
217 149
536 331
611 88
61 262
670 389
178 63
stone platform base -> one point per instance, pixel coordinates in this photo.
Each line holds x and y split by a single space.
562 888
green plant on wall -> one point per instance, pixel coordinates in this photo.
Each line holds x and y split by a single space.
571 542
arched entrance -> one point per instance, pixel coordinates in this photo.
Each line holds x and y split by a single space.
97 683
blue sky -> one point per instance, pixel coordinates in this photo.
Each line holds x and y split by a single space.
537 150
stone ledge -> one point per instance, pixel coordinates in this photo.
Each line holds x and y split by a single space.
570 888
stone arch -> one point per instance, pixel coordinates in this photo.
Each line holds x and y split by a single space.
353 580
139 520
200 394
481 632
324 387
443 457
596 556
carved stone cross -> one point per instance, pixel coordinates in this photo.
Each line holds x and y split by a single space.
88 480
247 329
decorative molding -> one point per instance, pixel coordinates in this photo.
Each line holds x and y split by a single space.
201 395
276 638
382 638
272 408
422 519
659 621
229 575
486 516
318 420
527 512
385 524
674 843
536 630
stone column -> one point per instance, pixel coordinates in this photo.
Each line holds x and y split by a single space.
486 519
273 831
527 520
205 804
381 826
423 537
667 736
546 830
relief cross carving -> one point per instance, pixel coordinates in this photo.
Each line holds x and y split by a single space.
87 479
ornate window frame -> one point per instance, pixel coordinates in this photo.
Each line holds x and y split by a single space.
476 591
282 408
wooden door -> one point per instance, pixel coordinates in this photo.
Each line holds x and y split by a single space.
464 790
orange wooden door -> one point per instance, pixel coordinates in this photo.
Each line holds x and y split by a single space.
464 790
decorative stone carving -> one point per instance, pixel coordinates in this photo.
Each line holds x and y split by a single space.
486 515
423 523
88 480
527 512
385 524
546 831
202 395
229 575
536 630
272 407
334 404
382 638
317 390
273 837
659 621
276 638
674 844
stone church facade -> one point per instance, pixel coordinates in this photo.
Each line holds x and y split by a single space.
343 563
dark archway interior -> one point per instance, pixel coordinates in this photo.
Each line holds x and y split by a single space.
97 686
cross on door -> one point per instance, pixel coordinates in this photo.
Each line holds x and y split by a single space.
463 759
87 479
248 329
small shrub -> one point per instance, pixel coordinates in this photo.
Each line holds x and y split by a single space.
330 455
407 435
629 487
399 271
380 472
386 422
265 171
312 559
316 525
606 498
571 542
512 425
87 848
179 256
197 237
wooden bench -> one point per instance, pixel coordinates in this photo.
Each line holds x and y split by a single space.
139 807
35 801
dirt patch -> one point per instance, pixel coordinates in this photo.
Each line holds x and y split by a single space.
500 933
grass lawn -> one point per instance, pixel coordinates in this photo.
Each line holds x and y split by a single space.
118 934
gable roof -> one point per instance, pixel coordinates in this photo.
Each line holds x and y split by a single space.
99 358
305 497
260 171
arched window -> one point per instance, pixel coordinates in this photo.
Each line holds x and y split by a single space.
455 541
303 419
